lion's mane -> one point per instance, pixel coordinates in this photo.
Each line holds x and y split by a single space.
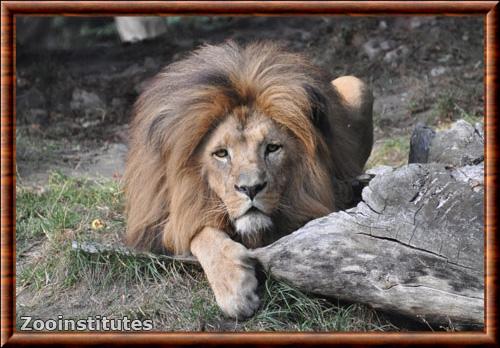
167 199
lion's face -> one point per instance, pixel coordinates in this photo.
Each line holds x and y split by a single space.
247 162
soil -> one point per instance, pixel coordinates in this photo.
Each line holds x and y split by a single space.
74 101
75 92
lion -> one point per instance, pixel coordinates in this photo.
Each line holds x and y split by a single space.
234 147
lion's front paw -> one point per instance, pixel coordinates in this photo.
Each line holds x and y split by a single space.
235 291
233 281
230 271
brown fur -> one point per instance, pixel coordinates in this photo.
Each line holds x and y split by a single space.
169 201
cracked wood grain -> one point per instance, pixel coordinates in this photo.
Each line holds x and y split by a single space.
414 244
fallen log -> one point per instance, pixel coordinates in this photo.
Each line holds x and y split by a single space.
413 245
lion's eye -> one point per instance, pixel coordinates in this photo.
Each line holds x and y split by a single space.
221 153
272 148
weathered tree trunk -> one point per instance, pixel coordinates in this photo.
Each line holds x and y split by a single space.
414 245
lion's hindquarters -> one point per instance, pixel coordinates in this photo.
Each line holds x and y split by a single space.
357 100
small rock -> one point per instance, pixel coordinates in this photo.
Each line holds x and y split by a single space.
371 49
374 47
85 100
385 45
382 25
444 58
437 71
396 54
87 124
21 82
417 22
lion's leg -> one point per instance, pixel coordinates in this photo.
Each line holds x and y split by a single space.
230 271
358 100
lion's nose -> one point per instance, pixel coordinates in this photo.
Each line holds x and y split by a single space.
250 191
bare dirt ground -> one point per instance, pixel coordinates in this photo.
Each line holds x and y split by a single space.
75 94
79 99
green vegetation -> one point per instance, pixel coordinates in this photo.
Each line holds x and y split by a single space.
174 294
287 308
390 151
51 217
448 110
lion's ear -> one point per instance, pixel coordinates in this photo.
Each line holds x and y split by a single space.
320 109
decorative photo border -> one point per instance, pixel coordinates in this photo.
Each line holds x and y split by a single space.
9 10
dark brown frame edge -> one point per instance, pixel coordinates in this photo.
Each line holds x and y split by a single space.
9 9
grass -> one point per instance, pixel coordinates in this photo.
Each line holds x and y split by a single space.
49 218
289 308
390 151
447 110
53 279
66 206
